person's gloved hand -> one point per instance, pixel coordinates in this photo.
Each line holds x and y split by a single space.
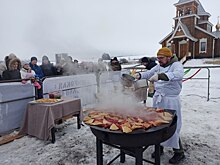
137 76
23 81
154 78
36 84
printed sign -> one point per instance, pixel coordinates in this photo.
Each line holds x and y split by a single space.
76 86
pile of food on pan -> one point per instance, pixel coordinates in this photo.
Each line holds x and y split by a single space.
47 100
143 119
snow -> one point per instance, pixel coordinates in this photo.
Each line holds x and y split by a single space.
200 133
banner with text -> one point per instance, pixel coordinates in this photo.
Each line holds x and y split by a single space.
76 86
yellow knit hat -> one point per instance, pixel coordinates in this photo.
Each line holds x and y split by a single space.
164 51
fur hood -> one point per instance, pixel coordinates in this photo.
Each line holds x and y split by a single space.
8 58
12 61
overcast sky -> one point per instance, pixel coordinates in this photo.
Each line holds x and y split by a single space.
88 28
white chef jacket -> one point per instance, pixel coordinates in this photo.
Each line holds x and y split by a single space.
167 95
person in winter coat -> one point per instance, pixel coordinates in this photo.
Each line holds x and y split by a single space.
115 65
167 77
47 67
13 70
148 63
39 76
4 65
26 71
2 68
28 75
37 69
68 66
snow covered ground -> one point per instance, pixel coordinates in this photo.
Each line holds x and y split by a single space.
200 133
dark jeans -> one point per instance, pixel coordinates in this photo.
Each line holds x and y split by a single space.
39 92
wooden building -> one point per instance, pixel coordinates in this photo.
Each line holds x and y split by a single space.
193 35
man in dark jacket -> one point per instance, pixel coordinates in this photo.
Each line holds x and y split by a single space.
115 64
39 74
148 63
36 68
47 67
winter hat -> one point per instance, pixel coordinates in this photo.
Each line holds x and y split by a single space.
33 58
25 62
115 59
165 52
144 59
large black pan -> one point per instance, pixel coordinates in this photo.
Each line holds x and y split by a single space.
139 137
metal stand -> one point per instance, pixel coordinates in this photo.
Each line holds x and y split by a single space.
99 150
157 154
53 130
53 139
78 121
136 152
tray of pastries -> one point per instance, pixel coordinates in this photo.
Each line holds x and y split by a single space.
46 100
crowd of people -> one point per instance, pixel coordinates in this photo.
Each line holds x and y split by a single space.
13 69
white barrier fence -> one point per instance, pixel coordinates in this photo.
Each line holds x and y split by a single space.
75 86
14 96
13 101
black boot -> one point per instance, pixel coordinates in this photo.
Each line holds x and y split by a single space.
177 157
161 152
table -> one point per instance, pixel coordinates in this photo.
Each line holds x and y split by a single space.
39 120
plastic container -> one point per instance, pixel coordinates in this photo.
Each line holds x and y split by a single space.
55 95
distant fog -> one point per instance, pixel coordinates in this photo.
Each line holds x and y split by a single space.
84 29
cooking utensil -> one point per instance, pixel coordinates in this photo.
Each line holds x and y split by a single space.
128 81
128 77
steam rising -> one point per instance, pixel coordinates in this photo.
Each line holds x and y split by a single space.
121 101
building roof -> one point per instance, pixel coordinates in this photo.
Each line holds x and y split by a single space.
185 31
166 37
180 2
204 21
216 33
201 10
205 31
